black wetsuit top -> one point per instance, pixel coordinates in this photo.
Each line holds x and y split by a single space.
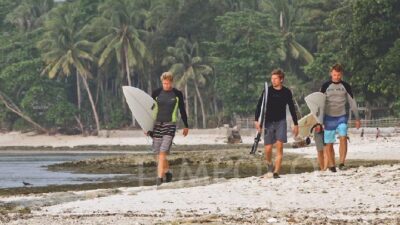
276 105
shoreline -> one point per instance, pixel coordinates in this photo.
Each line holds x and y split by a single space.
123 138
361 194
316 197
123 148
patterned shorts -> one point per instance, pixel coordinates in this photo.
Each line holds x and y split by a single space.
163 135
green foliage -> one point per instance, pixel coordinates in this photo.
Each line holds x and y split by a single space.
118 119
21 125
318 70
246 53
29 13
221 50
47 104
61 114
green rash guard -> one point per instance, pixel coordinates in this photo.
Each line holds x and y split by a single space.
167 105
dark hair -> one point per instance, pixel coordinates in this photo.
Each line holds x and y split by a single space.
278 72
337 67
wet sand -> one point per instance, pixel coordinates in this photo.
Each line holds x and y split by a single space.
367 193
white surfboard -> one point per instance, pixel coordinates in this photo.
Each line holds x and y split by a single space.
316 103
142 105
305 125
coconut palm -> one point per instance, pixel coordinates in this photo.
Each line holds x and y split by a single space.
189 67
65 49
120 36
29 13
283 16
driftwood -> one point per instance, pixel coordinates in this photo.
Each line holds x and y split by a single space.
15 109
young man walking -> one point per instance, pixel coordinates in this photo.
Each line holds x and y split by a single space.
275 128
338 94
168 101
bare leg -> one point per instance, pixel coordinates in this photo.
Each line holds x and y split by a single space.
343 149
162 159
329 156
268 154
166 165
332 150
279 156
326 157
321 160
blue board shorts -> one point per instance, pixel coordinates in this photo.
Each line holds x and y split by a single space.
332 125
275 131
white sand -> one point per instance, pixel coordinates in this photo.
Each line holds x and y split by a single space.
360 195
366 148
136 137
367 193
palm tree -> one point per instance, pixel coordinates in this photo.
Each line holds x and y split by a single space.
29 13
65 50
118 27
283 15
119 36
153 15
188 66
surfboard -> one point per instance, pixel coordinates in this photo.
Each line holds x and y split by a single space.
260 119
141 105
316 103
305 125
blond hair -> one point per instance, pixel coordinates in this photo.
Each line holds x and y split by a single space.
167 76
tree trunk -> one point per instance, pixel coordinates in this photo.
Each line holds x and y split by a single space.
78 90
12 107
201 105
80 124
368 111
96 117
104 101
196 125
186 99
97 91
149 86
216 110
128 76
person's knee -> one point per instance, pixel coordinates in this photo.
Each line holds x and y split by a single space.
162 156
279 144
327 146
268 147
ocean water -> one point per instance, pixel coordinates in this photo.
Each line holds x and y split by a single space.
16 168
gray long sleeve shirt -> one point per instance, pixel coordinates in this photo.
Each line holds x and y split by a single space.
337 95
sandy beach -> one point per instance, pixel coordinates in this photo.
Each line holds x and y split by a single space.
363 195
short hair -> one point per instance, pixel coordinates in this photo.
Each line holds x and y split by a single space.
278 72
167 76
337 67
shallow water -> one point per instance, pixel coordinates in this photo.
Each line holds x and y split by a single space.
28 167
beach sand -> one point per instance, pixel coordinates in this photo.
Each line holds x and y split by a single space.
363 195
